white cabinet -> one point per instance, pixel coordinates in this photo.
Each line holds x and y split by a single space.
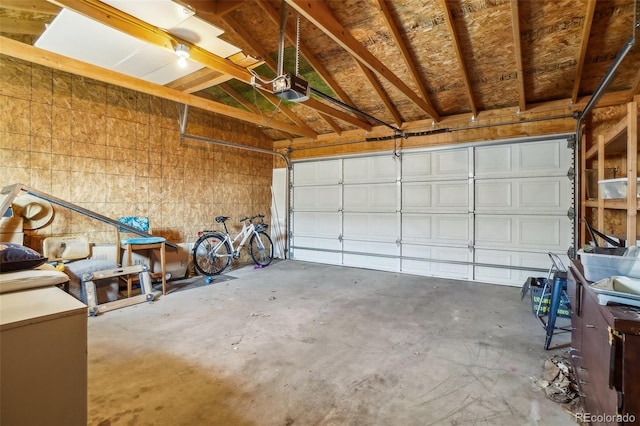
43 358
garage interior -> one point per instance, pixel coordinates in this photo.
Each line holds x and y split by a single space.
417 161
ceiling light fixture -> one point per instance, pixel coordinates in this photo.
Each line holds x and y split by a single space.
182 50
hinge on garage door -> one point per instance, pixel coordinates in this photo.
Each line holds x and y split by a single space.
340 237
571 142
571 174
571 212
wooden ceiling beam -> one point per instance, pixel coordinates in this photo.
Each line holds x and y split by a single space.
402 45
141 30
459 56
319 106
237 96
318 13
21 26
198 80
635 87
215 7
515 24
45 58
226 87
250 41
336 129
34 6
381 93
278 104
584 43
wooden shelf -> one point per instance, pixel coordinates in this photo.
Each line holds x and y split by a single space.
620 204
621 140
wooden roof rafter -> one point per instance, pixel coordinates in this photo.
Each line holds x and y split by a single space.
515 24
318 13
406 55
381 93
39 6
277 102
215 7
460 57
584 42
237 96
635 87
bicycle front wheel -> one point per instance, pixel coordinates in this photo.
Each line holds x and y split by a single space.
211 254
261 248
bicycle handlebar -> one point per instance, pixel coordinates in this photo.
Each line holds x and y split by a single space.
259 215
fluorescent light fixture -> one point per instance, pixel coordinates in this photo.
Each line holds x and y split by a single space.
182 50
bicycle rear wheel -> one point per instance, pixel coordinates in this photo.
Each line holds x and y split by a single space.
261 248
211 254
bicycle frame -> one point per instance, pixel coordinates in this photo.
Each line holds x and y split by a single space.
246 232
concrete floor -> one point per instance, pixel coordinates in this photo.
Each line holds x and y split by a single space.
306 344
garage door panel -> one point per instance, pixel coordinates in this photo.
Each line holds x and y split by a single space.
317 224
524 159
416 228
416 166
540 195
416 196
451 228
371 198
371 262
538 262
317 172
330 258
436 196
444 164
452 196
370 169
549 233
431 252
451 163
325 198
370 226
521 259
436 228
435 269
317 243
372 247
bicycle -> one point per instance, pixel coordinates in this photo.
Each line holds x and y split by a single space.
213 251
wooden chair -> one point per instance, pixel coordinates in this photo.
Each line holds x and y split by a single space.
130 244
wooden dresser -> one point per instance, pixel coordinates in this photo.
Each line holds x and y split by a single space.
605 353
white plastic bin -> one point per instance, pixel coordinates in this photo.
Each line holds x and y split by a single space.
615 188
600 266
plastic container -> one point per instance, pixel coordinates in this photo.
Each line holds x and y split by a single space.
600 266
592 181
615 188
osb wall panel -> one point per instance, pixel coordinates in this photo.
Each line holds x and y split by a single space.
117 152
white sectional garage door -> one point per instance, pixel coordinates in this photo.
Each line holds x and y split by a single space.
487 213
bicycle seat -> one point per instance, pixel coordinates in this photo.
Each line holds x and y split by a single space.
221 219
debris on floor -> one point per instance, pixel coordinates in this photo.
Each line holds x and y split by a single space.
559 382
